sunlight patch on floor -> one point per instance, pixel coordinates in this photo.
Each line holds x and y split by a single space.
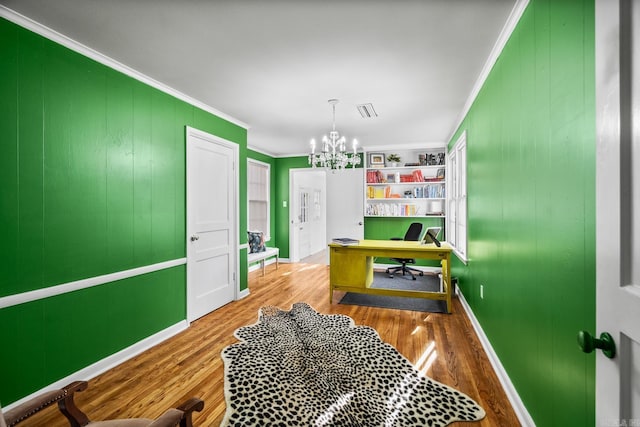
427 358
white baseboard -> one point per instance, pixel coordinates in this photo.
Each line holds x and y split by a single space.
109 362
243 294
518 406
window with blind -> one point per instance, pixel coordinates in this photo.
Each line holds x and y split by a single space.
457 202
258 189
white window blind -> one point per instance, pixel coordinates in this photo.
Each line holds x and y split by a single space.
258 189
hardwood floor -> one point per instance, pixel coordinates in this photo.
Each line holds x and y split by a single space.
444 346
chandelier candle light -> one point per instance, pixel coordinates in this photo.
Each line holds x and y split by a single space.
334 153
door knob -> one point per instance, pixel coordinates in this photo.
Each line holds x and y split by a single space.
195 237
588 343
360 223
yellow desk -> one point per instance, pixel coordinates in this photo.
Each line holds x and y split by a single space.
351 267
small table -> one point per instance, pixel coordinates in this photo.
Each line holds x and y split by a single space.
351 267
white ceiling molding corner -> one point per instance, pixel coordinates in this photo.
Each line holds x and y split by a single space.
80 48
505 34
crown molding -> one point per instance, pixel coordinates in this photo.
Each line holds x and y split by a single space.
409 146
261 151
78 47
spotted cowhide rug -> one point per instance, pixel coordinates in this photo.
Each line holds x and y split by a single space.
302 368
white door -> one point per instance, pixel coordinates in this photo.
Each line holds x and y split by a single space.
211 222
345 204
307 213
618 210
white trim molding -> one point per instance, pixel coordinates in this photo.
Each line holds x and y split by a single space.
110 362
426 145
67 42
512 394
64 288
261 151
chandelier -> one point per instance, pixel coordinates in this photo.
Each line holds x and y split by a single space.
333 154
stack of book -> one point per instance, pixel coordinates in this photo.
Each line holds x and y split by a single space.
345 241
375 177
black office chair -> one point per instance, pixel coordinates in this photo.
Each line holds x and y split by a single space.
413 234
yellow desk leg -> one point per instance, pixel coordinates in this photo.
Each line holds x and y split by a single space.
446 281
349 267
330 293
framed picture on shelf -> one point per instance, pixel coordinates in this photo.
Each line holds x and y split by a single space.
435 159
440 173
376 159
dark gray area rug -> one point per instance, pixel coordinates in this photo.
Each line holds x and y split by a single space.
428 282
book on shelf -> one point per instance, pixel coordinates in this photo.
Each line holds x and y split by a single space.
375 177
345 241
378 192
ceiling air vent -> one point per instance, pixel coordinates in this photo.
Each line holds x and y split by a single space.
367 111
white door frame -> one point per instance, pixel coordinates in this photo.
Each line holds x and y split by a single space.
617 206
192 132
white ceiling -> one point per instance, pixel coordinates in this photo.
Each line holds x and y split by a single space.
274 64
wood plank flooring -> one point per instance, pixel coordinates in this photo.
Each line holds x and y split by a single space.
443 346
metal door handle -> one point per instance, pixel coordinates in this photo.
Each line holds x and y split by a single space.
360 223
195 237
605 343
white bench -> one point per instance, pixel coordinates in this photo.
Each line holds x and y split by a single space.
263 256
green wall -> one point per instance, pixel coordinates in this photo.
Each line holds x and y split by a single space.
93 182
531 209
